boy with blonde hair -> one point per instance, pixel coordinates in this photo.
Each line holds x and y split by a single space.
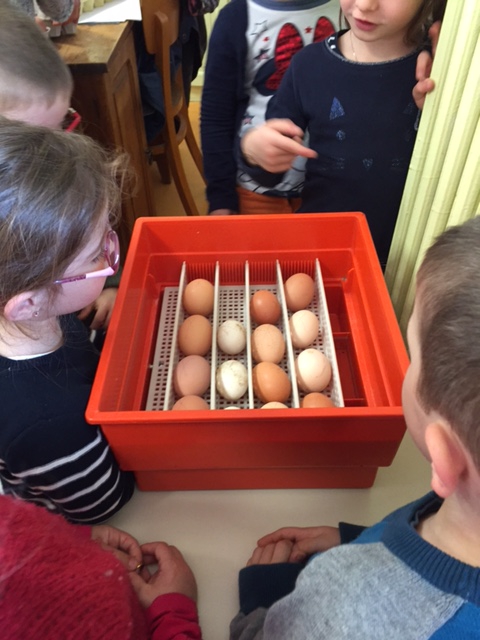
416 574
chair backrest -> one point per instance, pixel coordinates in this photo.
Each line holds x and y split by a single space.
171 9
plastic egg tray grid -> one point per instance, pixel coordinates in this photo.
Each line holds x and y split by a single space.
232 302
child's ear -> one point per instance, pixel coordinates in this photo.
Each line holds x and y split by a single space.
21 307
448 459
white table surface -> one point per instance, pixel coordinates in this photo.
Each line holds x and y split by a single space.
217 530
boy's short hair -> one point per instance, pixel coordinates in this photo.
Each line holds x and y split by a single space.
448 307
31 69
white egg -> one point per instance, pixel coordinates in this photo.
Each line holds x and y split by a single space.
231 337
232 380
304 327
313 370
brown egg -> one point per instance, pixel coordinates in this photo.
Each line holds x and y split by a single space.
313 370
268 344
299 291
264 307
270 382
195 336
314 400
198 297
190 403
191 376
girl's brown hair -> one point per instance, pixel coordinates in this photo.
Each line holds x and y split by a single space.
54 188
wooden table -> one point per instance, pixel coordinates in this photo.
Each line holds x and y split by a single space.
102 60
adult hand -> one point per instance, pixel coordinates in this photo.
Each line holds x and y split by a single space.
274 145
172 576
304 541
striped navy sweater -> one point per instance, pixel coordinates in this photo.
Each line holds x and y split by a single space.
49 454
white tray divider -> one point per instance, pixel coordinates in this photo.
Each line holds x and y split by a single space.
216 307
173 359
295 403
328 342
248 329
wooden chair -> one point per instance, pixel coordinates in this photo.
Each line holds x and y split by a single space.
161 23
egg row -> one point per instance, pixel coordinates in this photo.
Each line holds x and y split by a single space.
310 401
270 382
199 294
195 336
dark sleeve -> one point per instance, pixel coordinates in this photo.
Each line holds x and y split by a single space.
261 585
284 104
173 616
349 532
223 104
66 464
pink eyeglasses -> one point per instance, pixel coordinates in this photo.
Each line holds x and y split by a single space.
112 257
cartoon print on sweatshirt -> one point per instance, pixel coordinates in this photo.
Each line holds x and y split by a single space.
274 36
289 42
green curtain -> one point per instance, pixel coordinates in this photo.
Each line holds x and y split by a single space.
443 183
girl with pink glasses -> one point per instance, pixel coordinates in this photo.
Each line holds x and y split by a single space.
58 199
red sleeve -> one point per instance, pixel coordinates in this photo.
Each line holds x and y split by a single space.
173 616
83 530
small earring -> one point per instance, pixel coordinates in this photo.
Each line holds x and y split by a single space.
35 313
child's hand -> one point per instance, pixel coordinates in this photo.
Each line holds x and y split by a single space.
424 68
274 145
305 541
115 540
103 307
272 553
172 576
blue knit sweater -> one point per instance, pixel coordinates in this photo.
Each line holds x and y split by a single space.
388 583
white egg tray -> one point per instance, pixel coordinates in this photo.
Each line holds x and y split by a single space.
233 302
